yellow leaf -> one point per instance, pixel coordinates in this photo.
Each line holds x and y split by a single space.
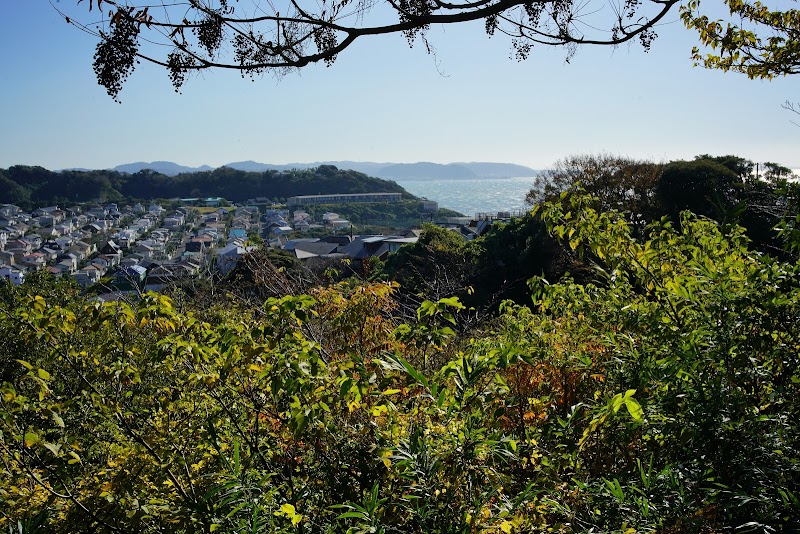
30 439
507 526
379 409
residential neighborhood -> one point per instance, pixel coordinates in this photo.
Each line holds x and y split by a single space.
126 249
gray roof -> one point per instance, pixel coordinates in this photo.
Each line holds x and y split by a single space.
318 248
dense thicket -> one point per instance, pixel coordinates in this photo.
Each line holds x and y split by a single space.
497 265
655 389
663 396
29 187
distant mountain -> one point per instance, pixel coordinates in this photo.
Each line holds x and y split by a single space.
498 170
387 171
366 167
164 167
425 171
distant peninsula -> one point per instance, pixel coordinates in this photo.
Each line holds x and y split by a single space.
28 187
386 171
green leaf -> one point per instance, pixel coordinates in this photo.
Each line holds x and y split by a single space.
634 408
57 418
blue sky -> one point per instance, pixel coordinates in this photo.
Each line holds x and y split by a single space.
382 101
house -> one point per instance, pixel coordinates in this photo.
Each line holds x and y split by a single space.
35 260
82 249
110 248
64 228
20 245
49 254
9 210
305 250
93 228
52 244
126 238
147 251
48 232
101 263
15 276
173 222
68 259
129 261
237 233
281 230
44 211
379 246
88 276
97 212
196 245
228 256
17 230
130 278
67 266
169 273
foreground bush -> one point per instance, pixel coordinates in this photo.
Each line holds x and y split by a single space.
661 398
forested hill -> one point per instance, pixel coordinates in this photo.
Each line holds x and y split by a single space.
29 187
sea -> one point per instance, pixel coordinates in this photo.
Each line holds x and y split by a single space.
474 196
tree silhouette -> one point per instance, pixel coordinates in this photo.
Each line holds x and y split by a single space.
264 36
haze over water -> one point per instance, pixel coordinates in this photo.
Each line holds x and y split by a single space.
473 196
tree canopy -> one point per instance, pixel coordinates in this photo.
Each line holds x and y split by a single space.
28 187
257 37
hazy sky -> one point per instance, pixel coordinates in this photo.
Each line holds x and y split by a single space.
382 101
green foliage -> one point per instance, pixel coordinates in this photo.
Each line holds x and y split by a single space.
764 42
725 188
616 182
661 397
702 186
434 267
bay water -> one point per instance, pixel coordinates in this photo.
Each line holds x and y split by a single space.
475 195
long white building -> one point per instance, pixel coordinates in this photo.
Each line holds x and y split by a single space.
345 198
